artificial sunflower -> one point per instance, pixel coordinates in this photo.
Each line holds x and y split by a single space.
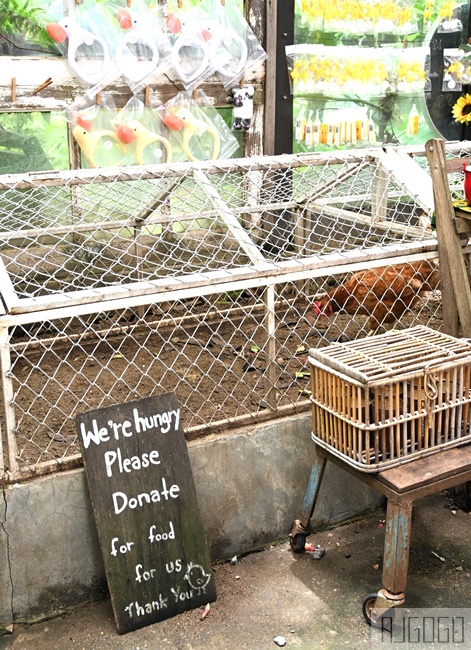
461 111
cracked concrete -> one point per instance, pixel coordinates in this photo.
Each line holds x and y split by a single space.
314 605
6 581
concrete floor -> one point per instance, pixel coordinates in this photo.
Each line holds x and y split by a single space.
312 603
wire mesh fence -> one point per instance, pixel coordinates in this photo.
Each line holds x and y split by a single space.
198 279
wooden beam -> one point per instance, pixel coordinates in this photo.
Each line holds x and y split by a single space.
456 292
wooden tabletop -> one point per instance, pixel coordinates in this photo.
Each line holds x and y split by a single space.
433 468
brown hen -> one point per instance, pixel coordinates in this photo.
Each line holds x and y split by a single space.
383 294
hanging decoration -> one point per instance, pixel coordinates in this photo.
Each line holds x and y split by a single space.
88 43
143 53
196 130
233 48
242 100
140 127
190 34
94 133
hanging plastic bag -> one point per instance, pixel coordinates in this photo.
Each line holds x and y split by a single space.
95 134
143 51
457 69
190 33
87 41
140 127
196 130
233 46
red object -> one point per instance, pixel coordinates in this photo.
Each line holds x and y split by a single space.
206 35
173 121
174 24
85 124
125 133
56 32
467 182
124 18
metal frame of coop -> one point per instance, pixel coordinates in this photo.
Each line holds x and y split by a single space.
295 198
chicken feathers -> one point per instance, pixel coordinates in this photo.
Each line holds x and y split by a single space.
383 294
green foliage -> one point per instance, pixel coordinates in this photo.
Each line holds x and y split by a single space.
20 27
49 151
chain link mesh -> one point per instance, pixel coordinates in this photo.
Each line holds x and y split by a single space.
197 279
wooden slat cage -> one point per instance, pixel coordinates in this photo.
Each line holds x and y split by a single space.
384 400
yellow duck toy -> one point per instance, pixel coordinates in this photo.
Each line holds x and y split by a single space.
183 119
88 139
142 137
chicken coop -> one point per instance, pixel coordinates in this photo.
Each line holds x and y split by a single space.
192 278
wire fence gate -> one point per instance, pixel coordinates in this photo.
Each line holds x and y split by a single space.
194 278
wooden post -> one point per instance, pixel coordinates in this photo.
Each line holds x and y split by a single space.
456 292
270 345
8 408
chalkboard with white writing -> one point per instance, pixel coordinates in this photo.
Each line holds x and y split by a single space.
145 505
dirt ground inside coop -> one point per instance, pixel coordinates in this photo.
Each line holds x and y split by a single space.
218 373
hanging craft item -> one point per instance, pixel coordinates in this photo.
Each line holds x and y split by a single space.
357 17
449 14
139 126
457 68
350 71
190 33
143 52
197 133
242 100
87 41
92 129
233 47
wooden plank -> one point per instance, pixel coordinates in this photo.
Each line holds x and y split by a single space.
452 265
89 301
145 505
462 226
410 175
7 391
423 471
229 218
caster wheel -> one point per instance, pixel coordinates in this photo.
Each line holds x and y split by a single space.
373 613
297 543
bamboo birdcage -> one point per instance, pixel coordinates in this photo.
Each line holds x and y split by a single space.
384 400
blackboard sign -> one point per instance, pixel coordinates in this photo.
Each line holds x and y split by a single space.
145 505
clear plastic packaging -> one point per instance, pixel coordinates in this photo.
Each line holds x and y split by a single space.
87 41
141 128
93 129
196 130
456 69
189 34
233 46
143 52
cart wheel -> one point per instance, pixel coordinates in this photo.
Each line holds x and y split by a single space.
298 543
298 540
370 611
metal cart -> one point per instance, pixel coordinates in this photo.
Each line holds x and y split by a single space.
396 415
401 485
